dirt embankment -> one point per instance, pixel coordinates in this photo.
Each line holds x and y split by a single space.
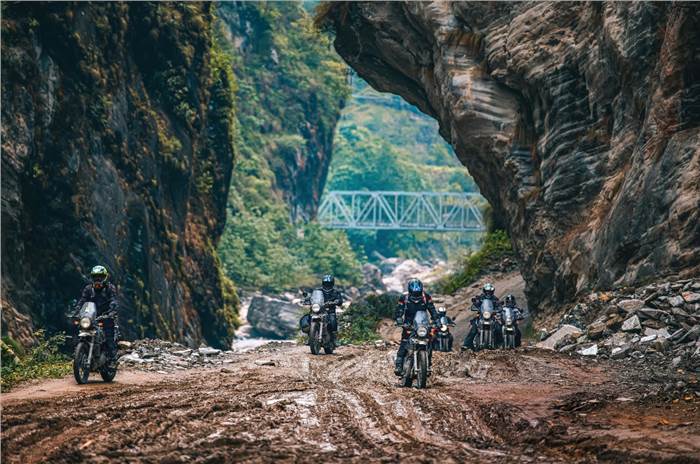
280 403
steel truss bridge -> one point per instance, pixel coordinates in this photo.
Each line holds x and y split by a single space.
433 211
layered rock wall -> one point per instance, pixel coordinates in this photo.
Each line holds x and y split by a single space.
578 121
117 130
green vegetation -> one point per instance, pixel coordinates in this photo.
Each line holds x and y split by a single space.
495 247
384 143
42 361
290 90
359 323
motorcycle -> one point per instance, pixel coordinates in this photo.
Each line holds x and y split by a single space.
442 337
416 364
319 335
90 351
486 326
509 316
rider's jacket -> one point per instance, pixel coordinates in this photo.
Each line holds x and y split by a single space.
332 296
409 305
517 313
105 299
479 298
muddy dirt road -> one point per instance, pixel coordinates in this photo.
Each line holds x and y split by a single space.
282 404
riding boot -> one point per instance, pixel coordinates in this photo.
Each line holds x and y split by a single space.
398 367
334 338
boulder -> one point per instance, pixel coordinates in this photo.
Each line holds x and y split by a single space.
619 351
632 324
372 277
596 330
614 322
692 334
274 318
691 297
660 344
676 301
550 342
630 306
590 351
567 348
661 333
648 339
617 339
652 313
209 351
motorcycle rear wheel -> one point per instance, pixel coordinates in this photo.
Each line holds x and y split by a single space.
407 379
422 369
81 371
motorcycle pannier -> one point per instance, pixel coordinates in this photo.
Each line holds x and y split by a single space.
305 323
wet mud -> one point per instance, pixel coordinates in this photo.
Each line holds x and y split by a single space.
283 404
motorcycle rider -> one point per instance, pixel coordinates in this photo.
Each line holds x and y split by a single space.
488 292
332 298
442 312
510 302
409 303
104 295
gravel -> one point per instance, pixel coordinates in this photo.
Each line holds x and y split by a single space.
660 326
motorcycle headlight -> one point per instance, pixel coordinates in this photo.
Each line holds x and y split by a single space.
315 308
422 331
487 315
509 321
85 323
443 327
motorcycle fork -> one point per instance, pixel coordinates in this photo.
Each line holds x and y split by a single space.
89 359
415 359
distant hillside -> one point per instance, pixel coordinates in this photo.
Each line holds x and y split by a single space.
384 143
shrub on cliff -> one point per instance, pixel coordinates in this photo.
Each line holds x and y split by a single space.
44 360
495 247
358 324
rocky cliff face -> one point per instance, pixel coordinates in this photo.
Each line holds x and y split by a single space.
579 122
116 149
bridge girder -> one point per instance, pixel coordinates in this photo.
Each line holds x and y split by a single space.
397 210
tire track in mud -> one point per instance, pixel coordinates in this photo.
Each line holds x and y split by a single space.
520 406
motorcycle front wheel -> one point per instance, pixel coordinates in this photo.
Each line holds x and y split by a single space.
81 371
108 373
422 369
407 378
314 343
328 348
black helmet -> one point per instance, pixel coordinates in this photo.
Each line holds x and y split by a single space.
328 282
489 289
415 287
509 300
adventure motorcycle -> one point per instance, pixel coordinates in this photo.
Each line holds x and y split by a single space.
442 337
509 317
319 333
416 364
486 326
91 350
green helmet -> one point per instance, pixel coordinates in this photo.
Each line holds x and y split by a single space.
99 276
